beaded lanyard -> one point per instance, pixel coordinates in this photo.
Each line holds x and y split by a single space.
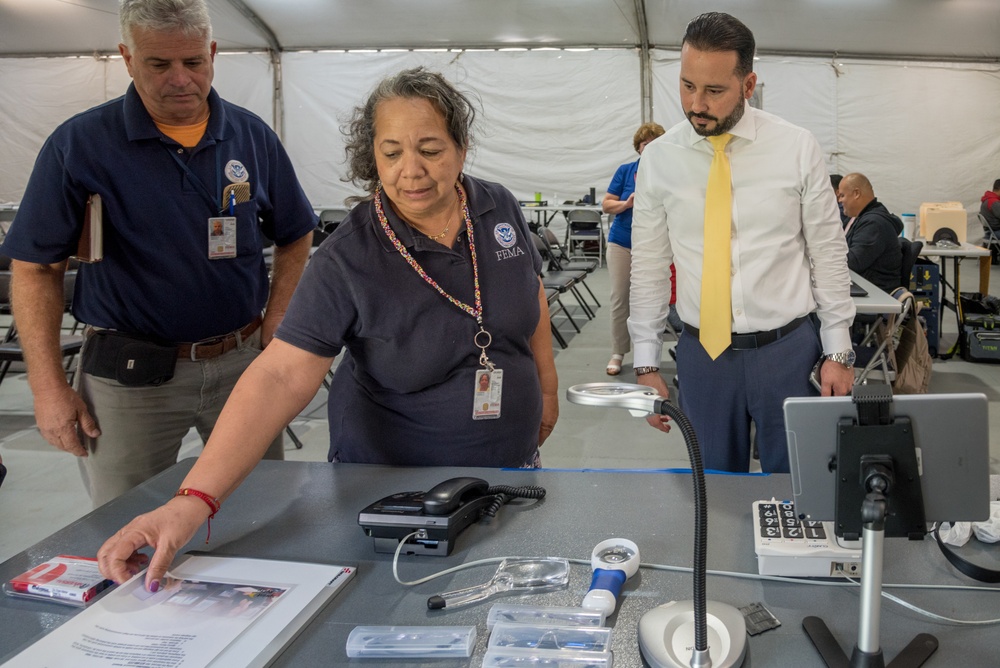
475 311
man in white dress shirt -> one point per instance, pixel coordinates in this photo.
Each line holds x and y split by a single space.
788 274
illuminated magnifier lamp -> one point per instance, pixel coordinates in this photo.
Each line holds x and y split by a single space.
716 631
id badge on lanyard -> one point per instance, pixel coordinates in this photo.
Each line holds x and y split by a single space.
221 230
486 399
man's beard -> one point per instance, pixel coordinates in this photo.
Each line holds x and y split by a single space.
721 126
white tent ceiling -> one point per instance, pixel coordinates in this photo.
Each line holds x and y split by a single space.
938 29
905 91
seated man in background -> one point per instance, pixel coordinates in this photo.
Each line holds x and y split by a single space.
873 248
990 207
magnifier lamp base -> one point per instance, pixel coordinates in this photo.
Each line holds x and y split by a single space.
666 636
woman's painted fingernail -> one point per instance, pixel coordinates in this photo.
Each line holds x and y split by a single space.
154 586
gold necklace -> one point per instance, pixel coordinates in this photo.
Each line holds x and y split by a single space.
441 234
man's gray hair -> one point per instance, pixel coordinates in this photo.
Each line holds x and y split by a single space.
189 17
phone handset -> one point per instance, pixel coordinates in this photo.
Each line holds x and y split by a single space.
448 495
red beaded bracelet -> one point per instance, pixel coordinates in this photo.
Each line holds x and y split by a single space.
213 504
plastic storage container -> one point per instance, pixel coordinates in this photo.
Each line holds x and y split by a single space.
413 642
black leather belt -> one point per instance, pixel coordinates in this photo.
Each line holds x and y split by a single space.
754 340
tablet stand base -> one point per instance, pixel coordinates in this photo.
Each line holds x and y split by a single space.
867 652
913 655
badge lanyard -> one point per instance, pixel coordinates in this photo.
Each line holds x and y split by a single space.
196 182
482 339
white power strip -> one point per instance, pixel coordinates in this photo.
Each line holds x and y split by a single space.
787 546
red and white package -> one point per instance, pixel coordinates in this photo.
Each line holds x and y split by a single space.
63 579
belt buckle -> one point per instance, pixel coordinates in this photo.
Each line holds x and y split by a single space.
744 341
205 342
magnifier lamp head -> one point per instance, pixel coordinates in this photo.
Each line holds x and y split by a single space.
640 400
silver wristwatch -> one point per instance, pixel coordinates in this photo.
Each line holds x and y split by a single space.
846 358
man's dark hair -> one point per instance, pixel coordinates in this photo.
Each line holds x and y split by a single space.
996 185
835 180
716 31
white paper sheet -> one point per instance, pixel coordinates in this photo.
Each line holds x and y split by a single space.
212 611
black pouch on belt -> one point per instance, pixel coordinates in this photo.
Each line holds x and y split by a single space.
131 361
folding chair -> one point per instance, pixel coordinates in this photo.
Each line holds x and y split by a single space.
556 306
584 226
875 353
563 281
559 261
990 239
11 352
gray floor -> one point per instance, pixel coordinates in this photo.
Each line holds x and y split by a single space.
43 491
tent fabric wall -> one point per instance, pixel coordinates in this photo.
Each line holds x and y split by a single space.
920 131
560 121
38 100
41 100
555 122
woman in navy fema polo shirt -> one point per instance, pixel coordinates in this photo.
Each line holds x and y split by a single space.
431 289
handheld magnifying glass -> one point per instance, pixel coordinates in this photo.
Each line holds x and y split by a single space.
614 561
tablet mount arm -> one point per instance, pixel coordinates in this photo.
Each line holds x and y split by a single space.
878 493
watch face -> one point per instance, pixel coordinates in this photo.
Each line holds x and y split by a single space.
851 356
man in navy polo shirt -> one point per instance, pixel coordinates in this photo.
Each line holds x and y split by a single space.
189 185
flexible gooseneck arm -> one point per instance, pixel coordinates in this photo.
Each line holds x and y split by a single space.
664 407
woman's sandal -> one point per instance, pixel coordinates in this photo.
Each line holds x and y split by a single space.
615 365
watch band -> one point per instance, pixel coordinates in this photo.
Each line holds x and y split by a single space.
643 370
846 358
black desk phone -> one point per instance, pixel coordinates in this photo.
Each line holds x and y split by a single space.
437 515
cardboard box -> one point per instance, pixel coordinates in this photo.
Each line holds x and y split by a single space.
937 215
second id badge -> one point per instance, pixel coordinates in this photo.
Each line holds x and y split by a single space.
221 237
486 398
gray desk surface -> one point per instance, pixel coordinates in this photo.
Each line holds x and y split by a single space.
876 301
308 512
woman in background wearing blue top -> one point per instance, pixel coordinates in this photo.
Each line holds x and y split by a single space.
619 202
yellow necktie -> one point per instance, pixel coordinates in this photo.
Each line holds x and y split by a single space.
716 299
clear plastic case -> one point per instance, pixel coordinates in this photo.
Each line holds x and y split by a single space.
548 637
514 657
506 613
411 641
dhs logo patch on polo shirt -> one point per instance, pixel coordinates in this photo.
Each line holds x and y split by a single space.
506 236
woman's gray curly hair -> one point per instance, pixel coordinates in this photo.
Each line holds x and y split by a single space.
457 109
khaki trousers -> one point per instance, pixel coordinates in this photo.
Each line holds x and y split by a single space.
142 427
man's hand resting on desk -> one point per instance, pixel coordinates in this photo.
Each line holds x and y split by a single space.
836 379
655 381
166 529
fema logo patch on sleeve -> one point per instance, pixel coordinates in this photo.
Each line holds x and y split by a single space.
505 235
